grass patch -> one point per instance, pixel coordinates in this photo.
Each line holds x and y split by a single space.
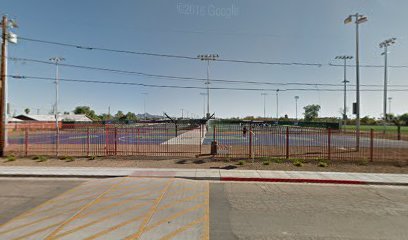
363 162
322 164
92 158
266 163
11 158
69 159
297 162
278 160
241 162
40 158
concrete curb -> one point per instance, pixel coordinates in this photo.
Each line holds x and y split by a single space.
221 179
302 180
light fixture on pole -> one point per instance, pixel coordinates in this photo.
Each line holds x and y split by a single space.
345 81
56 61
264 98
296 102
385 44
208 58
359 19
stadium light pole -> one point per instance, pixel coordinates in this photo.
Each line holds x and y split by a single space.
277 104
264 98
296 102
203 94
208 58
389 105
359 19
345 81
144 105
385 44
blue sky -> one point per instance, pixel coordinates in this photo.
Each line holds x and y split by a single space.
278 31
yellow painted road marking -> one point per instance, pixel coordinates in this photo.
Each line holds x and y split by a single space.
135 207
115 204
176 215
29 224
150 214
189 198
101 233
206 230
183 228
36 231
43 204
55 232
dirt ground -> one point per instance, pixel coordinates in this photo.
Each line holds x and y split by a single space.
209 162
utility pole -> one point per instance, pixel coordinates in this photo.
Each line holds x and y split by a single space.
385 44
6 37
56 60
358 20
264 110
296 101
203 94
208 58
182 113
345 81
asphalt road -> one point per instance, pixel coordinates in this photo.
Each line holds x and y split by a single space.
147 208
307 211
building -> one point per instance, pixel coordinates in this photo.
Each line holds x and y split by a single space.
51 118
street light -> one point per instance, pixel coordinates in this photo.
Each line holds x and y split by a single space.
264 98
208 58
385 44
345 81
56 60
358 20
296 101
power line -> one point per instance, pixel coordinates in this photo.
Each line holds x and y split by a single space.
172 77
191 87
82 47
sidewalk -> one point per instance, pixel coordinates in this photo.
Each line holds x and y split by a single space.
211 174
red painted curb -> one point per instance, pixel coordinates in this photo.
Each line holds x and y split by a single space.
292 180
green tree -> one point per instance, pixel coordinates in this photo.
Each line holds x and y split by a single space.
404 118
27 111
311 112
131 116
87 111
119 115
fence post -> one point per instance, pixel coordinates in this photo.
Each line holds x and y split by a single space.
106 140
167 142
116 142
87 142
287 142
250 141
329 144
26 142
201 136
371 145
399 132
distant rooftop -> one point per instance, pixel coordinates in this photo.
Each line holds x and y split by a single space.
51 118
